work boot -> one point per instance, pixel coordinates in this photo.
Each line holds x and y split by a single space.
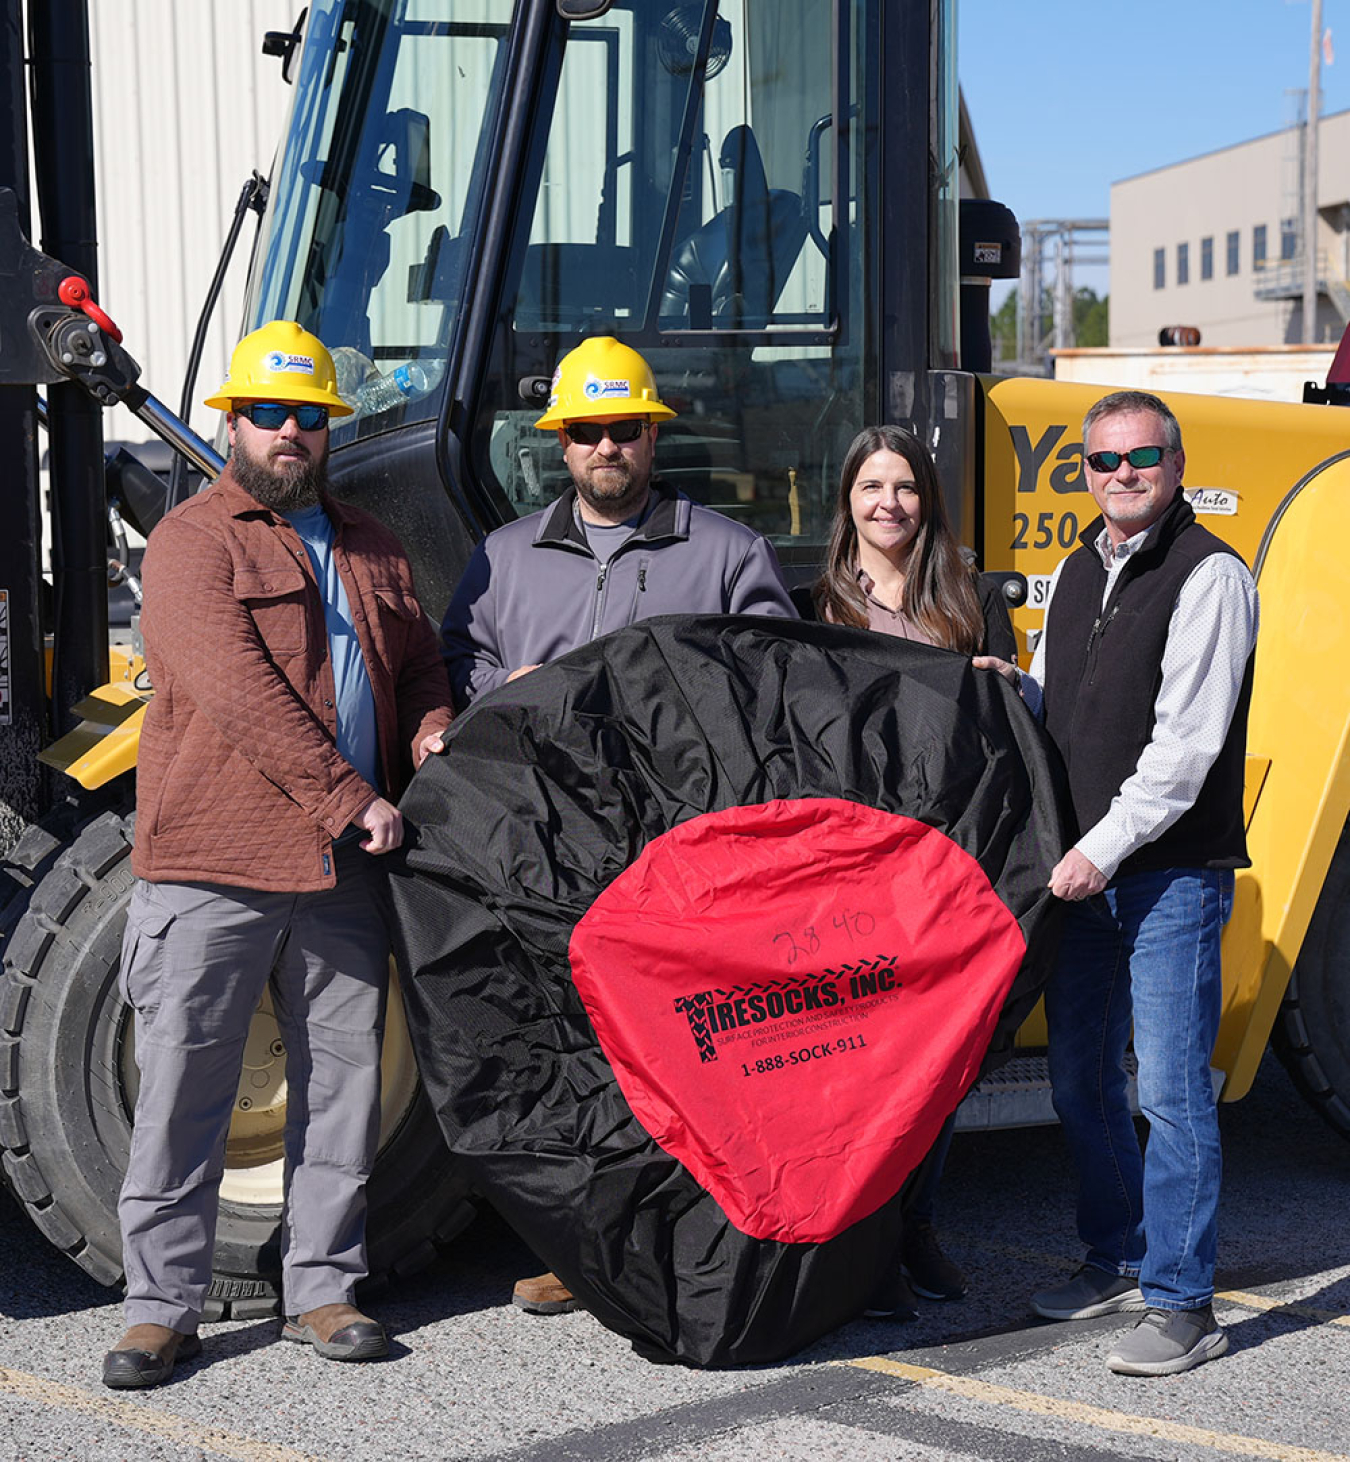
892 1298
1167 1341
1089 1293
545 1294
931 1273
146 1356
338 1332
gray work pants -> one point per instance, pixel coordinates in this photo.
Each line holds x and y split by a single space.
196 959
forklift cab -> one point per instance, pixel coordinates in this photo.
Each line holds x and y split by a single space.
460 200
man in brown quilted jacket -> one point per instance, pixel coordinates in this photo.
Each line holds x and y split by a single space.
297 686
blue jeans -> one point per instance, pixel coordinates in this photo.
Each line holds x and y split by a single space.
1148 950
928 1175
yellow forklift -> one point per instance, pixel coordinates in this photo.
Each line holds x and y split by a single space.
764 198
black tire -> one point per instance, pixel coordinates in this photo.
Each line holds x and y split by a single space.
67 1094
1312 1034
28 861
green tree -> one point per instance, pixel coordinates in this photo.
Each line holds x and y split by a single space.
1091 321
1003 328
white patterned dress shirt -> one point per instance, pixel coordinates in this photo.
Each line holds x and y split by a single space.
1210 637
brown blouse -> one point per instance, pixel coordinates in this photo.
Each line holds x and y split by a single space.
889 621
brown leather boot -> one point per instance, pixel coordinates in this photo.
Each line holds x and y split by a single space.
545 1294
338 1332
146 1356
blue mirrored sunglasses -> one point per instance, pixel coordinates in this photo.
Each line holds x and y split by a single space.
271 415
1137 457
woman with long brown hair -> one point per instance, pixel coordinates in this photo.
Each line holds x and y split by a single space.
894 565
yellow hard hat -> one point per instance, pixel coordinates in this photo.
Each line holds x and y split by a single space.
281 362
602 378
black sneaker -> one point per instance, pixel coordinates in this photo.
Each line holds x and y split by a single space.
892 1299
1091 1292
931 1273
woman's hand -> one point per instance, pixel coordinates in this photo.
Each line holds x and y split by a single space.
1005 668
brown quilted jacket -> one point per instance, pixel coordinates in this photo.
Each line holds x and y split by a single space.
239 778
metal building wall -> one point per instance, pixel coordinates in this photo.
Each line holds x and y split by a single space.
185 107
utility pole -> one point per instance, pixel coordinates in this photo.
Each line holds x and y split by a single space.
1310 178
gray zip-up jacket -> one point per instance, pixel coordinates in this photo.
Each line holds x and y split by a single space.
533 590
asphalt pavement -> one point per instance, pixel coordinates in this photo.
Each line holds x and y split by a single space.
472 1378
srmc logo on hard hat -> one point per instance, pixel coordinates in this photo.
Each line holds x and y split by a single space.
595 388
278 360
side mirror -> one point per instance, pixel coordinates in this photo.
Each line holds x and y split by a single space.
285 44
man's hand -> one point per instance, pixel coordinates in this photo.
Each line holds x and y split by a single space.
519 671
1076 877
384 822
1000 667
430 745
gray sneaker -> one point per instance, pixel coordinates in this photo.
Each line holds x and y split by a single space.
1167 1341
1089 1293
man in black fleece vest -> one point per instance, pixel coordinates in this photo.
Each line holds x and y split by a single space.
1144 672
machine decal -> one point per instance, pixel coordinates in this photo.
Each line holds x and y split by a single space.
1220 501
1038 590
1047 530
1032 456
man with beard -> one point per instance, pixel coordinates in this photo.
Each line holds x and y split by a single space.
620 545
297 685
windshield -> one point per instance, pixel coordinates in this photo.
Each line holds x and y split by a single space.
684 199
381 181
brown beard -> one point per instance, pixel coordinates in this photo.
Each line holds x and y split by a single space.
288 488
619 503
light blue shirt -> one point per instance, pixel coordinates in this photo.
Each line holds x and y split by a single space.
357 738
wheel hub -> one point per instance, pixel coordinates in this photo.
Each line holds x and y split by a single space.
255 1148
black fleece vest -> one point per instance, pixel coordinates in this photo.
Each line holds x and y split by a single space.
1102 676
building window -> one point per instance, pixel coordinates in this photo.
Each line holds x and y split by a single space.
1288 238
1233 252
1207 258
1183 263
1259 246
1159 268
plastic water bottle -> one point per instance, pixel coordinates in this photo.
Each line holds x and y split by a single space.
398 386
354 370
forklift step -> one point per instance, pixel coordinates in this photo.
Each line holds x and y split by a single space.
1018 1095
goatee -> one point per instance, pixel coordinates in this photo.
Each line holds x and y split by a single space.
282 486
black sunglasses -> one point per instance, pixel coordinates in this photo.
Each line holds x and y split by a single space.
591 433
1136 457
271 415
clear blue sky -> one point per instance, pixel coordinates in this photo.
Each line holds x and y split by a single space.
1069 96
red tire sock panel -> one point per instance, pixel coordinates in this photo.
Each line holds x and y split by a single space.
793 997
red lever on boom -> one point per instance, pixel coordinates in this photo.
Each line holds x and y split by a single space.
74 291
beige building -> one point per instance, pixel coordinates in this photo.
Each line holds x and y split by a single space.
1215 242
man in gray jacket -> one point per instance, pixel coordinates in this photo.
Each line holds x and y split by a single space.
618 546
